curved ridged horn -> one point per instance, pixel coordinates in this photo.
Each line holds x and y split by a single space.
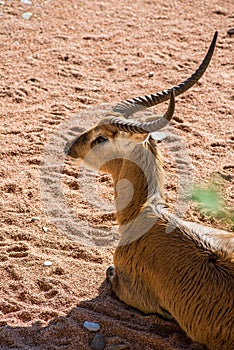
131 106
118 124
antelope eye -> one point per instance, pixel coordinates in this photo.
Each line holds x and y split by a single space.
98 140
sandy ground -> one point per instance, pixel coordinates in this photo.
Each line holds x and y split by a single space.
69 55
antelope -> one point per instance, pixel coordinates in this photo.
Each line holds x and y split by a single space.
186 273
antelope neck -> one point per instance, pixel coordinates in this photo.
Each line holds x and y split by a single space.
136 183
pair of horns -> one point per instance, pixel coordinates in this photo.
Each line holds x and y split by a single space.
131 106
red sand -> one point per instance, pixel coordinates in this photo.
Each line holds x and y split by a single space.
68 55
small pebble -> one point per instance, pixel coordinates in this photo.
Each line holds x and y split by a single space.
26 2
231 31
98 342
45 229
35 218
26 15
47 263
151 74
91 326
158 135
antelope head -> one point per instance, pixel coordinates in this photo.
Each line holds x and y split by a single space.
114 134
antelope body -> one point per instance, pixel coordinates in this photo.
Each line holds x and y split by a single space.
186 272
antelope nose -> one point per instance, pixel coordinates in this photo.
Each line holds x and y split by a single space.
67 149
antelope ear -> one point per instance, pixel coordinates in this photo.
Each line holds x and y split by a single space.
158 135
138 138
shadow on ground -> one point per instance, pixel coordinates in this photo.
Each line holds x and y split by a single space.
130 327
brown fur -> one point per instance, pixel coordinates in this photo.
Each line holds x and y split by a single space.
186 273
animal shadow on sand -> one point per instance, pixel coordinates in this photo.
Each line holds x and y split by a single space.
120 324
